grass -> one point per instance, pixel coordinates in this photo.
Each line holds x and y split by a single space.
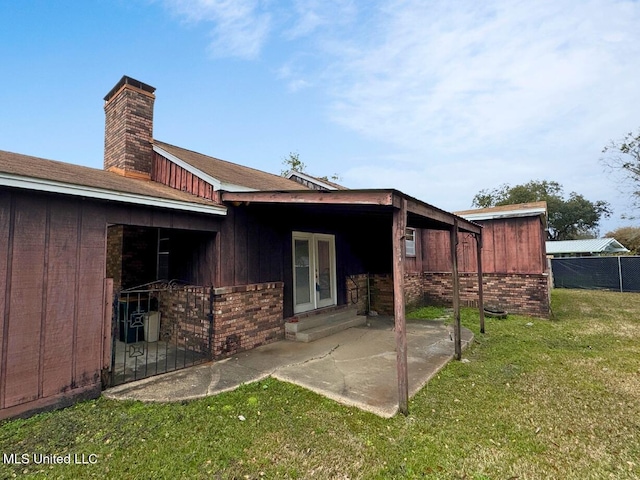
538 399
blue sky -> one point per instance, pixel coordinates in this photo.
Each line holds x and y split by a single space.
436 98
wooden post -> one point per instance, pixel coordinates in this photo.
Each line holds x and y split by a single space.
455 280
480 286
107 322
398 232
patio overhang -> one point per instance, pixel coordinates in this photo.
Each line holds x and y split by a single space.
419 214
405 211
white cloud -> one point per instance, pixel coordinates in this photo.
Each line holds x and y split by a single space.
240 28
465 93
476 77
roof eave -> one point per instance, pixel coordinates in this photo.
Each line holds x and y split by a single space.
51 186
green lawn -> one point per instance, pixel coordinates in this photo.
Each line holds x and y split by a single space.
538 399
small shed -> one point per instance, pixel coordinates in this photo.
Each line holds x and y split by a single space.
585 248
514 264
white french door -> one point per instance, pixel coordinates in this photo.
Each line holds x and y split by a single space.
314 271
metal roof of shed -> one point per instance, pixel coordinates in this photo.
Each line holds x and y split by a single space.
532 209
593 245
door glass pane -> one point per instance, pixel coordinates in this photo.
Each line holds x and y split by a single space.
324 270
301 261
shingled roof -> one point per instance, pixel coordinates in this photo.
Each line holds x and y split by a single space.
230 173
16 169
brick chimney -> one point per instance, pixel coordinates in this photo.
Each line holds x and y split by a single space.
128 148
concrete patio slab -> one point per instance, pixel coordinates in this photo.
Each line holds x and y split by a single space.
354 367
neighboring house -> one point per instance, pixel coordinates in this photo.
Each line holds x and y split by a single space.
514 264
250 249
314 183
585 248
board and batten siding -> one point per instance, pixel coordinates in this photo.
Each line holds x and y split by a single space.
54 322
168 173
53 264
512 245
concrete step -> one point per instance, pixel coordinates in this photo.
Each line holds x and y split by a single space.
311 326
329 328
319 319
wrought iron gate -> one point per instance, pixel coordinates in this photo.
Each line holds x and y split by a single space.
158 328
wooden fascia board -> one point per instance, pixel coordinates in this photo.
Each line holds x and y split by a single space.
333 197
422 209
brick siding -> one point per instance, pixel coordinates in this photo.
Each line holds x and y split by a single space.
357 292
246 317
526 294
382 292
184 319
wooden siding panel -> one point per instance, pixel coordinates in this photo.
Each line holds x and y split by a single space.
227 250
466 253
5 218
241 254
436 252
488 248
58 339
88 341
92 258
254 249
23 351
499 242
172 175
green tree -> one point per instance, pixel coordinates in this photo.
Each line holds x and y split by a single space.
627 236
569 218
623 157
293 163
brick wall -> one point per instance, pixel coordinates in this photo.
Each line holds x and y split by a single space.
246 317
357 292
382 292
128 146
184 319
413 289
381 288
114 255
526 294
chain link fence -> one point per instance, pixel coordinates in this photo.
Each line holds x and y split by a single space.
601 273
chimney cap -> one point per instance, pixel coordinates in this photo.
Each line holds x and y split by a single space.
125 80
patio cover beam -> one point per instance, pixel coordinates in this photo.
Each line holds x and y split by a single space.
372 197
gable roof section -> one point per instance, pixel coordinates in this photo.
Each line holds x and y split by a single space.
224 175
319 183
593 245
506 211
33 173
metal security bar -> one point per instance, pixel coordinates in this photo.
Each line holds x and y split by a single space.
158 328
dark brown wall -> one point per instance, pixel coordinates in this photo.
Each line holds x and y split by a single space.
255 245
52 303
52 274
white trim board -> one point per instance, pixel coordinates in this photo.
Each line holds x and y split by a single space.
50 186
